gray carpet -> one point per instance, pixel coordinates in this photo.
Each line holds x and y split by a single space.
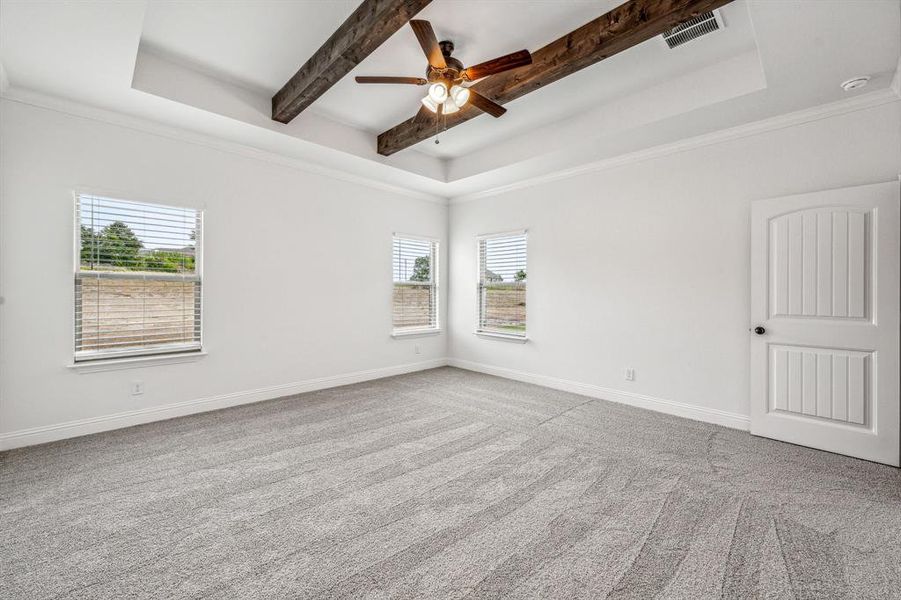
443 484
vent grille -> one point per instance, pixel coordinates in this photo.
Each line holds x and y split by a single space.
692 29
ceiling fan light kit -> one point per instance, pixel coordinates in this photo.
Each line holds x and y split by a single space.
438 92
430 104
450 107
445 75
460 95
451 101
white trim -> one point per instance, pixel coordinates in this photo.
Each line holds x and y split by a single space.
122 195
489 236
415 333
102 360
138 275
522 339
896 79
102 115
435 276
4 79
670 407
482 238
411 236
807 115
135 362
70 429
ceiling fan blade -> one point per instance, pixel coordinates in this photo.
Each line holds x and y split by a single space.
426 36
408 80
498 65
485 105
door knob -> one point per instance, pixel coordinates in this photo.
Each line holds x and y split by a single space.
759 330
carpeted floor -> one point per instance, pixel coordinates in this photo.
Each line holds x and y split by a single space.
443 484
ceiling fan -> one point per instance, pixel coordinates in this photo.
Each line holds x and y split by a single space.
446 75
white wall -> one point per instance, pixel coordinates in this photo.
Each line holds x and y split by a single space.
297 272
647 265
643 265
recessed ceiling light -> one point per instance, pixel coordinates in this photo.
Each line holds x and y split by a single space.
855 83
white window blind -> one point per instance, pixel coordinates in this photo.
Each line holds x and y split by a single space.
137 278
502 284
415 300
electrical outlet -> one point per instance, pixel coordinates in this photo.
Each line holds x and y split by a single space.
630 374
417 349
137 388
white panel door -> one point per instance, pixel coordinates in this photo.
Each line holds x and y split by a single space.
825 320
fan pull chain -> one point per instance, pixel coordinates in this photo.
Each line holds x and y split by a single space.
438 126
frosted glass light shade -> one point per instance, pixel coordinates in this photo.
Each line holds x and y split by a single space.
430 104
460 95
450 107
438 92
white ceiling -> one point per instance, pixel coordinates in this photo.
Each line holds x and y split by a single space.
256 43
211 67
259 49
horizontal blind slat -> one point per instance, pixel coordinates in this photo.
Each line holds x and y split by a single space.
415 297
138 286
502 284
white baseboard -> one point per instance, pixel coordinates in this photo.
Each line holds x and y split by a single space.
670 407
70 429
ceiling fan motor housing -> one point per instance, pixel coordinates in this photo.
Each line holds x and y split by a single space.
453 73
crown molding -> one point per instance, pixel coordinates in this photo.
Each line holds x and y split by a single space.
4 79
807 115
896 79
102 115
824 111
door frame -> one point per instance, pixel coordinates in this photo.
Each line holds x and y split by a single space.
885 303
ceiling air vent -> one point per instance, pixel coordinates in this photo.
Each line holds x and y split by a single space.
693 29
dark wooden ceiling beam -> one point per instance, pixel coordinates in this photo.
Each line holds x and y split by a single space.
373 22
627 25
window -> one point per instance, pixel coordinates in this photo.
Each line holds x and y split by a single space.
502 284
415 303
137 278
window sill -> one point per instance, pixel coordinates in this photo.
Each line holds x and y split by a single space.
415 333
134 362
518 339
